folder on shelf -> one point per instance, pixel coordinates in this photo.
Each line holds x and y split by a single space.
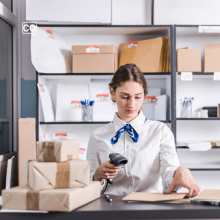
149 102
160 111
150 55
46 102
69 96
64 135
103 109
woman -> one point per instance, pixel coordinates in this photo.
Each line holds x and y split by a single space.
148 145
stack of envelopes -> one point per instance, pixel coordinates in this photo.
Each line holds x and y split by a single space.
149 55
56 181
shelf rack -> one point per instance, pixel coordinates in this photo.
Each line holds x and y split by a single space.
147 30
192 30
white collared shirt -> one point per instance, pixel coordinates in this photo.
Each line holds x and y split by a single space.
152 160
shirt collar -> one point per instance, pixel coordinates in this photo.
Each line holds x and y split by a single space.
136 123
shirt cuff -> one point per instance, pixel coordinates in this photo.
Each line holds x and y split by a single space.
167 183
102 184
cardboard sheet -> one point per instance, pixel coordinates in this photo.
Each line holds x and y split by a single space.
208 194
153 197
26 144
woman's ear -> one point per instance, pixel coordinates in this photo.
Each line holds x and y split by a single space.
112 93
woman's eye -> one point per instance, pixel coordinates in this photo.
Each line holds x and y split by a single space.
138 97
124 97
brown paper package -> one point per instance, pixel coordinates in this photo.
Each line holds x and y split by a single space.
43 175
57 151
106 61
188 60
66 200
150 55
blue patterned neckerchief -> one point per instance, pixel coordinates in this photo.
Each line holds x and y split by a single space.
132 133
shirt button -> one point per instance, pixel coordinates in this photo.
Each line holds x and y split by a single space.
127 172
127 146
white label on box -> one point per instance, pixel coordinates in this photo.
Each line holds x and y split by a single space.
75 104
186 76
149 99
41 87
132 44
102 98
92 49
216 76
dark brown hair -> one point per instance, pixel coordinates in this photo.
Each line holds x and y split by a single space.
128 72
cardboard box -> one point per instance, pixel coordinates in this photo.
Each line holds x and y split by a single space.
211 58
149 55
215 143
65 200
26 144
43 175
94 59
188 60
57 151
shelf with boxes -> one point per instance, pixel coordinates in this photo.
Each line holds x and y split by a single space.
160 79
200 65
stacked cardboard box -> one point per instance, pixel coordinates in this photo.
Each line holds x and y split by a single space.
55 181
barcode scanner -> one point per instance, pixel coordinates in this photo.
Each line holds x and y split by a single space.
118 160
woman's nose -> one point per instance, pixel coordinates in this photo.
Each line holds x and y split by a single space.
131 103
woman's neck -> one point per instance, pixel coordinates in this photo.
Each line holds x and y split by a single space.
126 119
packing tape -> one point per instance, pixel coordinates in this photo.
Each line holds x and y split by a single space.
63 175
48 151
32 200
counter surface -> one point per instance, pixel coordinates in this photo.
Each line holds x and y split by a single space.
100 209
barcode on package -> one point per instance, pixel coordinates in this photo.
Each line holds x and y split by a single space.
132 44
102 98
92 49
75 104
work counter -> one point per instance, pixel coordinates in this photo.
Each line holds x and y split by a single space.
118 209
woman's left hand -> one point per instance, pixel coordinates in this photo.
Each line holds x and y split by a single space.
184 178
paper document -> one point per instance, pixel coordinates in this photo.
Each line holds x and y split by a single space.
46 102
21 211
160 111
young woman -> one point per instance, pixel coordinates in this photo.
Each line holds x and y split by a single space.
153 165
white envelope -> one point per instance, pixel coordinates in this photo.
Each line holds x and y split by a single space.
46 102
69 96
160 111
103 109
63 135
83 149
149 107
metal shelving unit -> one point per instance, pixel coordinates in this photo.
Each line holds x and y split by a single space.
151 31
193 30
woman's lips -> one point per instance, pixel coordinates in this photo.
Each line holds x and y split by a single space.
130 111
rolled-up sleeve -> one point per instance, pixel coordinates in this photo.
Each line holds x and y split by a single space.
169 161
93 157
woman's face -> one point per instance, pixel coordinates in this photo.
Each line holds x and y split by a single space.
129 98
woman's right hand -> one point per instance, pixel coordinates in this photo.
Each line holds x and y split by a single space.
106 171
